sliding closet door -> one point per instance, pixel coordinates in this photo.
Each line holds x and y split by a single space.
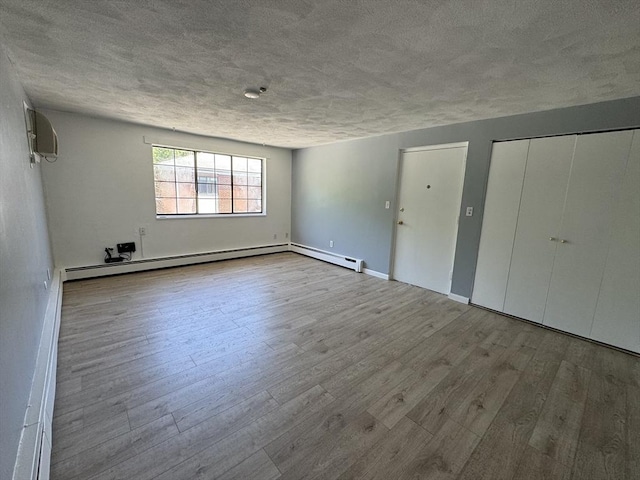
543 194
617 318
506 175
596 178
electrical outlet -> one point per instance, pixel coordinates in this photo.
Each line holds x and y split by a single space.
286 235
142 231
331 243
387 204
469 212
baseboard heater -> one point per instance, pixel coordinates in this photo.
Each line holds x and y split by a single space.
34 450
347 262
76 273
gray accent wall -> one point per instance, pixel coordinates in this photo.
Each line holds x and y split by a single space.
24 258
339 190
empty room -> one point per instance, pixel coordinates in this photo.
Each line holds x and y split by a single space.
278 239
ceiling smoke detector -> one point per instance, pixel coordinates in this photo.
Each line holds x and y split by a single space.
254 93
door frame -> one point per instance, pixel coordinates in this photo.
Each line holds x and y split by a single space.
401 152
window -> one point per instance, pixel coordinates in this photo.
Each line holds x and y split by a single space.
188 182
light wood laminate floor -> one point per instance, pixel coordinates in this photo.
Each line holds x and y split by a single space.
283 367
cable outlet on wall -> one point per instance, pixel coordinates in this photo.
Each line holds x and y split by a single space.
142 231
331 243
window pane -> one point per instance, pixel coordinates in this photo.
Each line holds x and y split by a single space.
206 160
254 192
164 173
207 190
185 158
224 205
223 178
184 174
254 206
207 205
165 189
166 206
239 179
239 205
223 162
239 191
254 180
186 190
254 165
163 156
186 205
239 164
224 191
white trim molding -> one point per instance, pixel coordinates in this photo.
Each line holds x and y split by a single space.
373 273
459 298
443 146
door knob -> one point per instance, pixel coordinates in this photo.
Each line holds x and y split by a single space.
553 239
563 241
400 222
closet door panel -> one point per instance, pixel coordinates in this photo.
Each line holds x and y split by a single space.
617 317
543 194
506 175
596 178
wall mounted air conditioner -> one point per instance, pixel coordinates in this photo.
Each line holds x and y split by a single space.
45 139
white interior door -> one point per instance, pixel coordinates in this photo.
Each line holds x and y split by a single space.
501 206
617 316
543 194
429 206
597 171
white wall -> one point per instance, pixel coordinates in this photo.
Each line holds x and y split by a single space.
100 190
24 259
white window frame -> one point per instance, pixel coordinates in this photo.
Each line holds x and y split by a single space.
181 216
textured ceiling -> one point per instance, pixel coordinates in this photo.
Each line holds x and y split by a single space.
335 69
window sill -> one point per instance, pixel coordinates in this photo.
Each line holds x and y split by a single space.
211 215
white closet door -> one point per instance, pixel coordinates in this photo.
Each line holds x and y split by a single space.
617 318
543 194
502 202
596 178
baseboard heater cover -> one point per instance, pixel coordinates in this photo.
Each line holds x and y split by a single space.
90 271
347 262
34 451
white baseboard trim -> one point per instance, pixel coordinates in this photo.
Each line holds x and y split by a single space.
459 298
34 451
107 269
373 273
330 257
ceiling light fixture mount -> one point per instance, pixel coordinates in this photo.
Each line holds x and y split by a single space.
254 93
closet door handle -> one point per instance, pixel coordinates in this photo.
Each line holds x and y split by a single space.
563 241
553 239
